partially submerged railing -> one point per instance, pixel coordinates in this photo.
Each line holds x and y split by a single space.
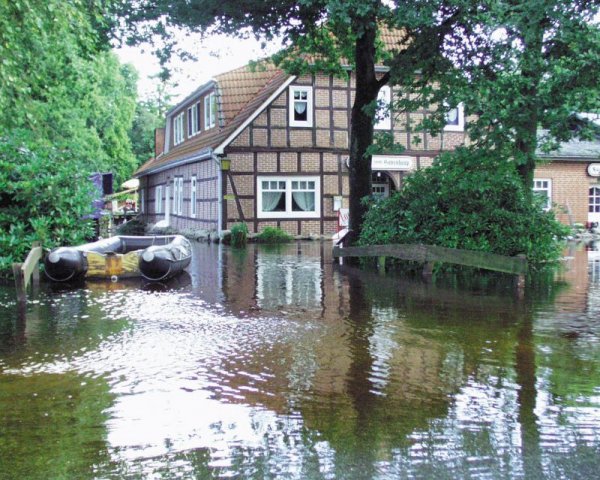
429 254
27 271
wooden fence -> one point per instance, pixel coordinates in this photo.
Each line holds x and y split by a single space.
28 270
430 254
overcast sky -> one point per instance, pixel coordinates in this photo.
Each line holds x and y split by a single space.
215 55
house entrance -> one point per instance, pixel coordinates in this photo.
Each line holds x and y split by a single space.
594 205
382 184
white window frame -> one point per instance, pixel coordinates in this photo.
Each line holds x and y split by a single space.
178 129
289 213
180 197
193 196
174 203
460 126
141 206
193 120
158 201
539 187
309 106
595 196
383 114
177 196
210 111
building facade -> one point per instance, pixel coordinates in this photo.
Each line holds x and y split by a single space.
266 148
269 149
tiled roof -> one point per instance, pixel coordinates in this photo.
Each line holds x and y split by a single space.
391 37
242 91
574 149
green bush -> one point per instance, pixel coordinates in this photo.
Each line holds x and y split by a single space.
44 196
239 235
466 200
273 235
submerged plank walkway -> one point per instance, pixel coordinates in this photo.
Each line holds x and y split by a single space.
431 254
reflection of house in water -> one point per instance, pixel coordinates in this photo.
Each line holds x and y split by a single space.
350 356
288 280
274 278
594 279
573 298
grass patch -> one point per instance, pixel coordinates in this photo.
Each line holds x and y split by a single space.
273 235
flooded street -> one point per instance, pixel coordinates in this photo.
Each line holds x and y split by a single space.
272 362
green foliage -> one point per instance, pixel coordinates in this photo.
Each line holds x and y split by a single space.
44 195
466 200
59 80
239 235
526 65
149 115
273 235
66 109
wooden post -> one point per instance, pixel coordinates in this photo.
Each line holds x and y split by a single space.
19 282
24 272
38 256
381 265
520 286
428 270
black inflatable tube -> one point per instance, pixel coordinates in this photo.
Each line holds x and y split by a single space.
162 258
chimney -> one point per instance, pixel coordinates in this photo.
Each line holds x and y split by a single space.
159 141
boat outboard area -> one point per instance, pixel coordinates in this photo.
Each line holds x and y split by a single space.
154 258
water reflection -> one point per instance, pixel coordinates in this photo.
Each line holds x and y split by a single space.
288 280
267 363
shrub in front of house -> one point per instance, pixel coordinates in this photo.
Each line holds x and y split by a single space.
44 196
239 235
466 200
273 235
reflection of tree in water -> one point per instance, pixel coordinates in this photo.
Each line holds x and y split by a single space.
436 340
52 426
61 320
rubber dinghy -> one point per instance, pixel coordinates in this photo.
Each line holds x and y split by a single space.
155 258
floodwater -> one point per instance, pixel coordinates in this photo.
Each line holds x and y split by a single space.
276 363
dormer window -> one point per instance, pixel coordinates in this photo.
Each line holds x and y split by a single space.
210 111
194 120
301 106
455 119
178 134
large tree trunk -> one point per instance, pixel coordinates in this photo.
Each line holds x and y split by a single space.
361 129
532 36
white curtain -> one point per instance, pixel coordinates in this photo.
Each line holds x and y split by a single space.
270 200
300 107
305 200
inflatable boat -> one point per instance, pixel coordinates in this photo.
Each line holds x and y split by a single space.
155 258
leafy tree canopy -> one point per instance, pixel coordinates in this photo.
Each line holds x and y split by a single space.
66 108
516 65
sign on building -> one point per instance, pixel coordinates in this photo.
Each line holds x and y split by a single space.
593 169
392 162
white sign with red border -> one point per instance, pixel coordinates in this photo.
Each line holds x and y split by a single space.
343 217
